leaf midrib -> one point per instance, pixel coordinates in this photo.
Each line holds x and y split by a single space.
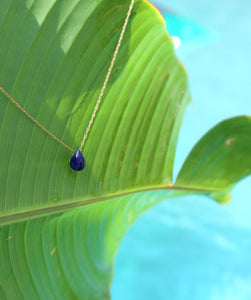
41 212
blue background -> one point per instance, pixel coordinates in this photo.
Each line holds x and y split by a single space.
192 248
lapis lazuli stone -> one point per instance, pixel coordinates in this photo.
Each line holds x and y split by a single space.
77 161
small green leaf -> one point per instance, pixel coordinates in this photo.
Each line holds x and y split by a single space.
68 255
220 159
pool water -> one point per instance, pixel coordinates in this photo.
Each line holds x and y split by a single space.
191 248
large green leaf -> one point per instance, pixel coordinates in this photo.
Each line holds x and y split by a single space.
53 61
54 55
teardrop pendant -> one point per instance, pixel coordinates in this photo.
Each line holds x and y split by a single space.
77 161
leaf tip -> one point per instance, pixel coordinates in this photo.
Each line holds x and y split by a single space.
222 197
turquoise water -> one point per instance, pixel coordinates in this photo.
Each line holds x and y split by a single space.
192 248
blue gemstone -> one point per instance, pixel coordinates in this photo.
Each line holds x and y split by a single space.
77 161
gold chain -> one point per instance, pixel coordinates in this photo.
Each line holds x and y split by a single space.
99 98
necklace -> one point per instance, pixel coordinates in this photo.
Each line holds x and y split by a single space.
77 161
